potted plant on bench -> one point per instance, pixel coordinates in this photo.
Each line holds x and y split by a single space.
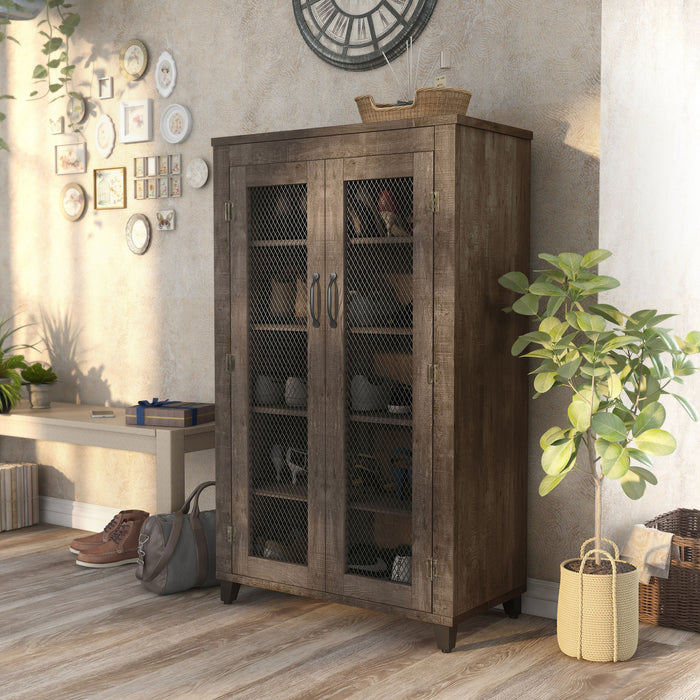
616 369
39 379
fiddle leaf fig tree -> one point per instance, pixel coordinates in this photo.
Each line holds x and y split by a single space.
616 368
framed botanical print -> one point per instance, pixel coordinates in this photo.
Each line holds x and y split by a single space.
110 188
136 121
70 158
133 59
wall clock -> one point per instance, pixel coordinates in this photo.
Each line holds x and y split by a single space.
355 34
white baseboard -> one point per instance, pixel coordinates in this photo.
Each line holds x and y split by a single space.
540 598
82 516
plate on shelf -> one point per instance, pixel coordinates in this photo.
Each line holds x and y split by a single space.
175 123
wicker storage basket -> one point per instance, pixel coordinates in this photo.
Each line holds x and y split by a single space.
675 601
427 102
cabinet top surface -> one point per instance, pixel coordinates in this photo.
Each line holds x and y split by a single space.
347 129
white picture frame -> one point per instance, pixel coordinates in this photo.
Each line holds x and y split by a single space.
166 74
136 121
105 88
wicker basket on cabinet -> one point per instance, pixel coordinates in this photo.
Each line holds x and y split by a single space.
427 102
675 602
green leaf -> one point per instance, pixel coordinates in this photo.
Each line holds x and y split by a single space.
544 382
554 304
550 481
651 416
52 45
633 485
687 406
55 87
579 413
645 474
557 457
568 370
594 257
614 387
619 341
609 427
3 145
551 436
515 281
641 457
526 338
40 72
608 312
656 442
614 459
527 305
546 289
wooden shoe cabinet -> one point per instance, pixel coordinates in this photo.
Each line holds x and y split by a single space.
371 430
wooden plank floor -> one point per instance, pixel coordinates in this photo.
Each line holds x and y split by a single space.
71 632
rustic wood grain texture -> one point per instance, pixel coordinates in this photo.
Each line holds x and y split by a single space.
469 444
69 633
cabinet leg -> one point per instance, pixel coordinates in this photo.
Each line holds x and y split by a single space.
229 591
513 607
446 637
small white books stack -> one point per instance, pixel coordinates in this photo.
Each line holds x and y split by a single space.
19 495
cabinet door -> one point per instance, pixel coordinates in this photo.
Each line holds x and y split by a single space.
379 246
276 400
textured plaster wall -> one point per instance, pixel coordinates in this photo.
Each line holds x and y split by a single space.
129 327
649 181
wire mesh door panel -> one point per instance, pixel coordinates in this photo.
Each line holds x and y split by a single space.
379 370
278 442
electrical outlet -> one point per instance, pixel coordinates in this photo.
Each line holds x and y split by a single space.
440 81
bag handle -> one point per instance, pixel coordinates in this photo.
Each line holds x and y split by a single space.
604 539
613 563
199 538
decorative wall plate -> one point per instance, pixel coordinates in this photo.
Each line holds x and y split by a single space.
138 234
133 59
166 74
175 123
72 201
197 173
75 109
105 136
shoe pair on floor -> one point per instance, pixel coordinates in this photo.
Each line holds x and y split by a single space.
117 544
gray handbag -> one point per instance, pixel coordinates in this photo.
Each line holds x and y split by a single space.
178 551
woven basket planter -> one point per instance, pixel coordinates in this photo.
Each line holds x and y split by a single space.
427 102
675 601
597 615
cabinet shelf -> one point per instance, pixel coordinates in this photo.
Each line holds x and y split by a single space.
383 418
287 492
279 410
378 503
380 330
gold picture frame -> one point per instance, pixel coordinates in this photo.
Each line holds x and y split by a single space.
109 188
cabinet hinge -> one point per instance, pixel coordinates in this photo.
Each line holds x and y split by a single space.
434 202
228 210
432 373
230 363
431 569
229 534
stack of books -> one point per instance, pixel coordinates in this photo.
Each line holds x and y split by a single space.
19 495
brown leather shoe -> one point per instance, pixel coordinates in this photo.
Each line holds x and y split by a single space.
120 548
81 544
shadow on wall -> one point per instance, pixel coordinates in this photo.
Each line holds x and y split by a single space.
61 340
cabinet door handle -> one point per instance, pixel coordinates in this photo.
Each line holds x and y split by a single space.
329 301
315 281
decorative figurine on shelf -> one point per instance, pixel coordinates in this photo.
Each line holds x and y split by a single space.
389 211
297 461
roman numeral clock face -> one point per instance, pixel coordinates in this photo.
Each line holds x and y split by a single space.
355 34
